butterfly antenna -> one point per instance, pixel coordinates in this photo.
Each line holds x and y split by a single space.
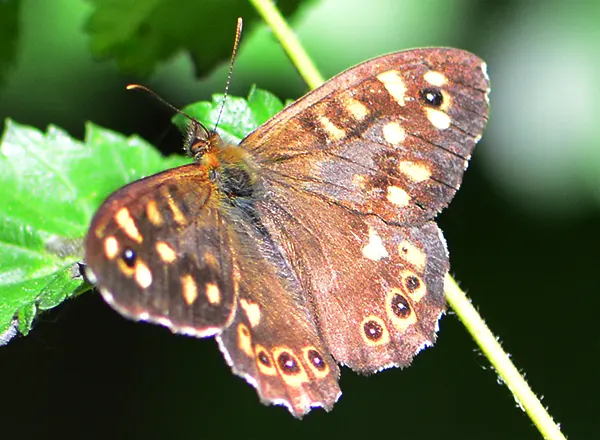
167 103
236 43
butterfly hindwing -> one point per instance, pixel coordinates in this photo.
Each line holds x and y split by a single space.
273 341
376 289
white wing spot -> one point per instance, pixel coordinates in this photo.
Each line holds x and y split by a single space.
335 132
252 311
435 78
398 196
245 340
417 172
213 294
356 108
165 252
125 221
394 84
439 119
412 254
111 247
394 133
142 275
374 249
190 289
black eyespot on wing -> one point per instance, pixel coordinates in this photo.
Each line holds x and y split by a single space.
412 283
317 360
400 306
432 96
129 257
288 364
373 330
264 359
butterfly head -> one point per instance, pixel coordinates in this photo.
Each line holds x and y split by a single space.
199 140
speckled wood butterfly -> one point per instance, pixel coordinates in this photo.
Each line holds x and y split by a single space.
312 243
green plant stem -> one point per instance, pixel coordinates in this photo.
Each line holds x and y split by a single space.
457 299
492 349
294 50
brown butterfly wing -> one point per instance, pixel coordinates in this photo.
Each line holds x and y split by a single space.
273 341
391 136
169 249
376 288
146 257
352 174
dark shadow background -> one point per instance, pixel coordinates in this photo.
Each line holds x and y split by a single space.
528 259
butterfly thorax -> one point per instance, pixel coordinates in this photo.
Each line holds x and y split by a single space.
229 168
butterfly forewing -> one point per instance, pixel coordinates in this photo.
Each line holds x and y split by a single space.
145 254
391 136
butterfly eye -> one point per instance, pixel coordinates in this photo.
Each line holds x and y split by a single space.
128 256
432 96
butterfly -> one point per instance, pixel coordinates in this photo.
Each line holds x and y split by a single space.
311 243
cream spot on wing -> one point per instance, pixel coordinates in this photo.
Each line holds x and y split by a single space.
165 252
177 214
415 171
394 133
439 119
374 249
335 132
142 275
397 196
447 101
394 84
125 221
245 340
252 311
111 247
412 254
435 78
356 108
153 213
189 289
213 293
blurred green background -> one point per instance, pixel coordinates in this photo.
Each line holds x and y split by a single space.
522 232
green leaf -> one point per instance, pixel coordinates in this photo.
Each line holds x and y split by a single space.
239 116
50 186
143 33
